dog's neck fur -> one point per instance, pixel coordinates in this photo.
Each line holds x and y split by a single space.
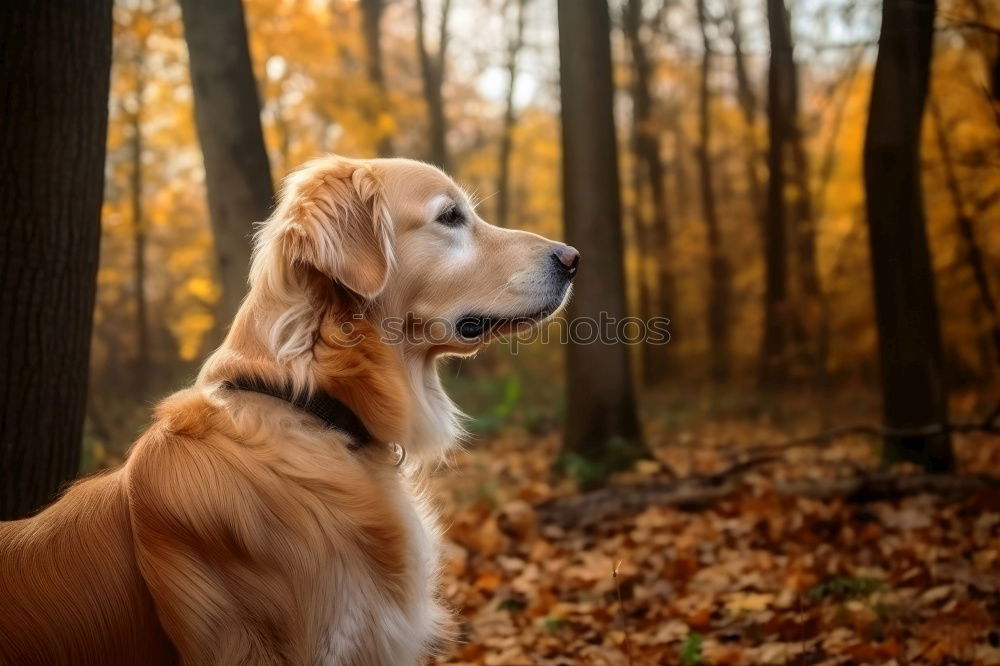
298 334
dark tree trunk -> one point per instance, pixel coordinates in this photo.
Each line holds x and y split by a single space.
371 21
805 221
139 264
602 426
432 68
509 119
967 230
142 364
55 59
748 107
682 179
650 366
808 306
780 118
646 144
227 115
718 277
914 394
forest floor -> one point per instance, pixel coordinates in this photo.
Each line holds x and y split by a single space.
755 575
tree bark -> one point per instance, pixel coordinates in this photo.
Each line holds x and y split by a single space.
681 151
509 120
371 23
805 220
718 295
650 366
748 108
432 70
601 423
910 350
808 308
780 117
227 115
55 59
141 367
646 144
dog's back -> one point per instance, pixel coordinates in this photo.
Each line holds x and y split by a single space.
71 587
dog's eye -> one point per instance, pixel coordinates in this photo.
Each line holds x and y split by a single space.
451 217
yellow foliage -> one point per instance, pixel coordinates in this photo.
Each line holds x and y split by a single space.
310 61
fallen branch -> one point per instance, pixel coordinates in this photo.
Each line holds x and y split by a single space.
697 492
608 503
874 487
989 424
600 505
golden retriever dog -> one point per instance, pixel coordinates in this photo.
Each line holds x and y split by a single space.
263 518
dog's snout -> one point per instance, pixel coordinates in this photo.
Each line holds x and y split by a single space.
567 258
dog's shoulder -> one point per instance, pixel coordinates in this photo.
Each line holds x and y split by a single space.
191 433
213 531
190 458
188 413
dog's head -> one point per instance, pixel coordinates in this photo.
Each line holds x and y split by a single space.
406 243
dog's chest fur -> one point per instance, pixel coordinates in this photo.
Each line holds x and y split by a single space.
366 629
381 606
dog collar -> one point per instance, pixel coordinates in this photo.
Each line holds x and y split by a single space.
332 412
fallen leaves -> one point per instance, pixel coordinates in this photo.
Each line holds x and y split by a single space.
756 577
743 601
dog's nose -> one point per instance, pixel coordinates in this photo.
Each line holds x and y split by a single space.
567 258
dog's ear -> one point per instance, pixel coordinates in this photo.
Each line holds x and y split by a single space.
337 221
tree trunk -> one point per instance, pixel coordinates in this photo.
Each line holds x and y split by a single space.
651 366
681 177
805 221
914 394
646 144
142 365
967 230
507 129
748 107
371 20
601 423
718 295
56 62
227 115
780 117
432 69
808 308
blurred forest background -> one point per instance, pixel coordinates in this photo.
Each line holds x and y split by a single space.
478 93
728 194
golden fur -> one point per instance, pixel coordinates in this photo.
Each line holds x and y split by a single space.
240 530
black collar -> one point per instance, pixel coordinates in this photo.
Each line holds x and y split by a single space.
333 413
